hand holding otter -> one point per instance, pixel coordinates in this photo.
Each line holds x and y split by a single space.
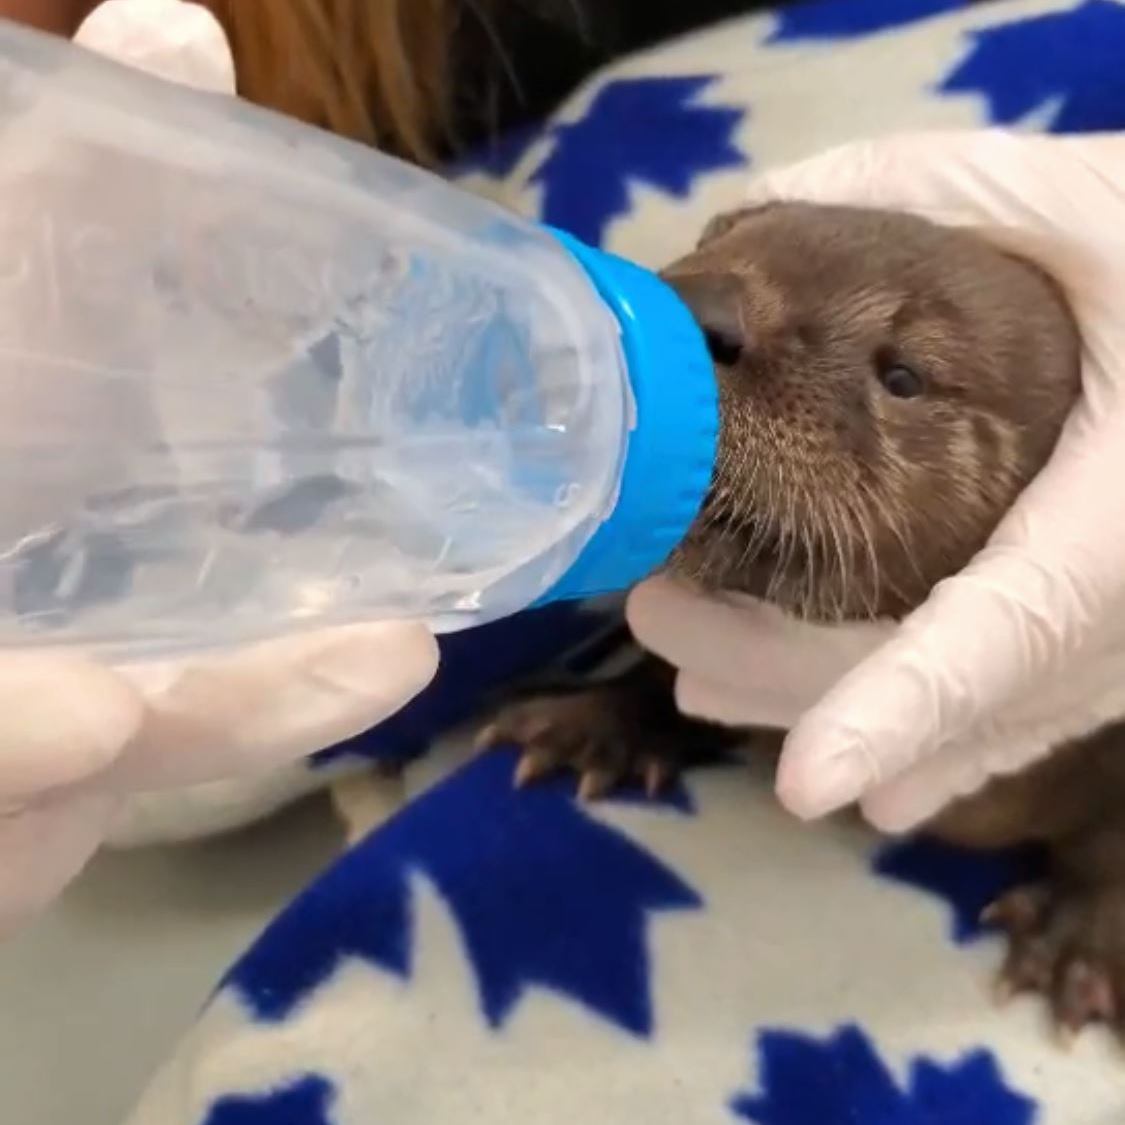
1026 646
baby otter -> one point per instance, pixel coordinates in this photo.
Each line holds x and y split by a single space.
887 388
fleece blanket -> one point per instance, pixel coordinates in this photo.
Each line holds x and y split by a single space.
494 956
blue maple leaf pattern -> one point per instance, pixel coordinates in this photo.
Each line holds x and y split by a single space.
305 1102
853 19
637 131
541 892
1072 58
967 879
842 1081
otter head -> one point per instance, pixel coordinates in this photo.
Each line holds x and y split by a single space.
887 387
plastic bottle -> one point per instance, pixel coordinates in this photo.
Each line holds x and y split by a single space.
256 379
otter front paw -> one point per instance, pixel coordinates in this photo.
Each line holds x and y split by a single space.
1068 944
595 733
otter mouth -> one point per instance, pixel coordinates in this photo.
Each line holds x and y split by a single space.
742 555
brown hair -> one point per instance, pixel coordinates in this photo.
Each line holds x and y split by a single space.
374 70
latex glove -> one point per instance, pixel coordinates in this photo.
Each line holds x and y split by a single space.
1027 645
76 737
173 39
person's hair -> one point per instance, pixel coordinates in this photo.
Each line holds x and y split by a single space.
374 70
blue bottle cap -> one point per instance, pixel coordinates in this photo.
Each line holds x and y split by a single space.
671 449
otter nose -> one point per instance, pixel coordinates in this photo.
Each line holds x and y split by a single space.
714 301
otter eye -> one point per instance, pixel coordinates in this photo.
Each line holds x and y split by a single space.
901 382
725 347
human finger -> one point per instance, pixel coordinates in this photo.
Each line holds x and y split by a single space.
245 712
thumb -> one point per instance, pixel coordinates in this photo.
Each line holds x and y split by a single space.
240 713
62 719
961 177
1049 577
907 802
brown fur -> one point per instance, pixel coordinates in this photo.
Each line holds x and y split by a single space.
837 500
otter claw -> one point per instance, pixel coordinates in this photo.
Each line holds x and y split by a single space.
1003 991
594 785
658 776
1019 912
1085 994
488 738
533 767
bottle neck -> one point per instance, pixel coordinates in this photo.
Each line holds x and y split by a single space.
670 451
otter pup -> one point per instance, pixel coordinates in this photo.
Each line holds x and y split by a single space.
887 388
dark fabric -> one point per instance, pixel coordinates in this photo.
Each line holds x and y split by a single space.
518 59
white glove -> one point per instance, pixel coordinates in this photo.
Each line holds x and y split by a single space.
77 737
1027 645
177 41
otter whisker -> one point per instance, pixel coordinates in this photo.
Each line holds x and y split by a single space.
862 536
903 537
839 528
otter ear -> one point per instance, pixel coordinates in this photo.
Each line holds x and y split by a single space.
723 224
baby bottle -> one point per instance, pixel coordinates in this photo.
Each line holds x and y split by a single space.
256 379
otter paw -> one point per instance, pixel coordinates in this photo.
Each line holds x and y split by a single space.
1068 944
589 733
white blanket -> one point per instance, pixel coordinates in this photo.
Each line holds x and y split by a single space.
494 957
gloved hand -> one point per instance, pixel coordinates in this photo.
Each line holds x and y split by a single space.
76 737
1025 647
177 41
